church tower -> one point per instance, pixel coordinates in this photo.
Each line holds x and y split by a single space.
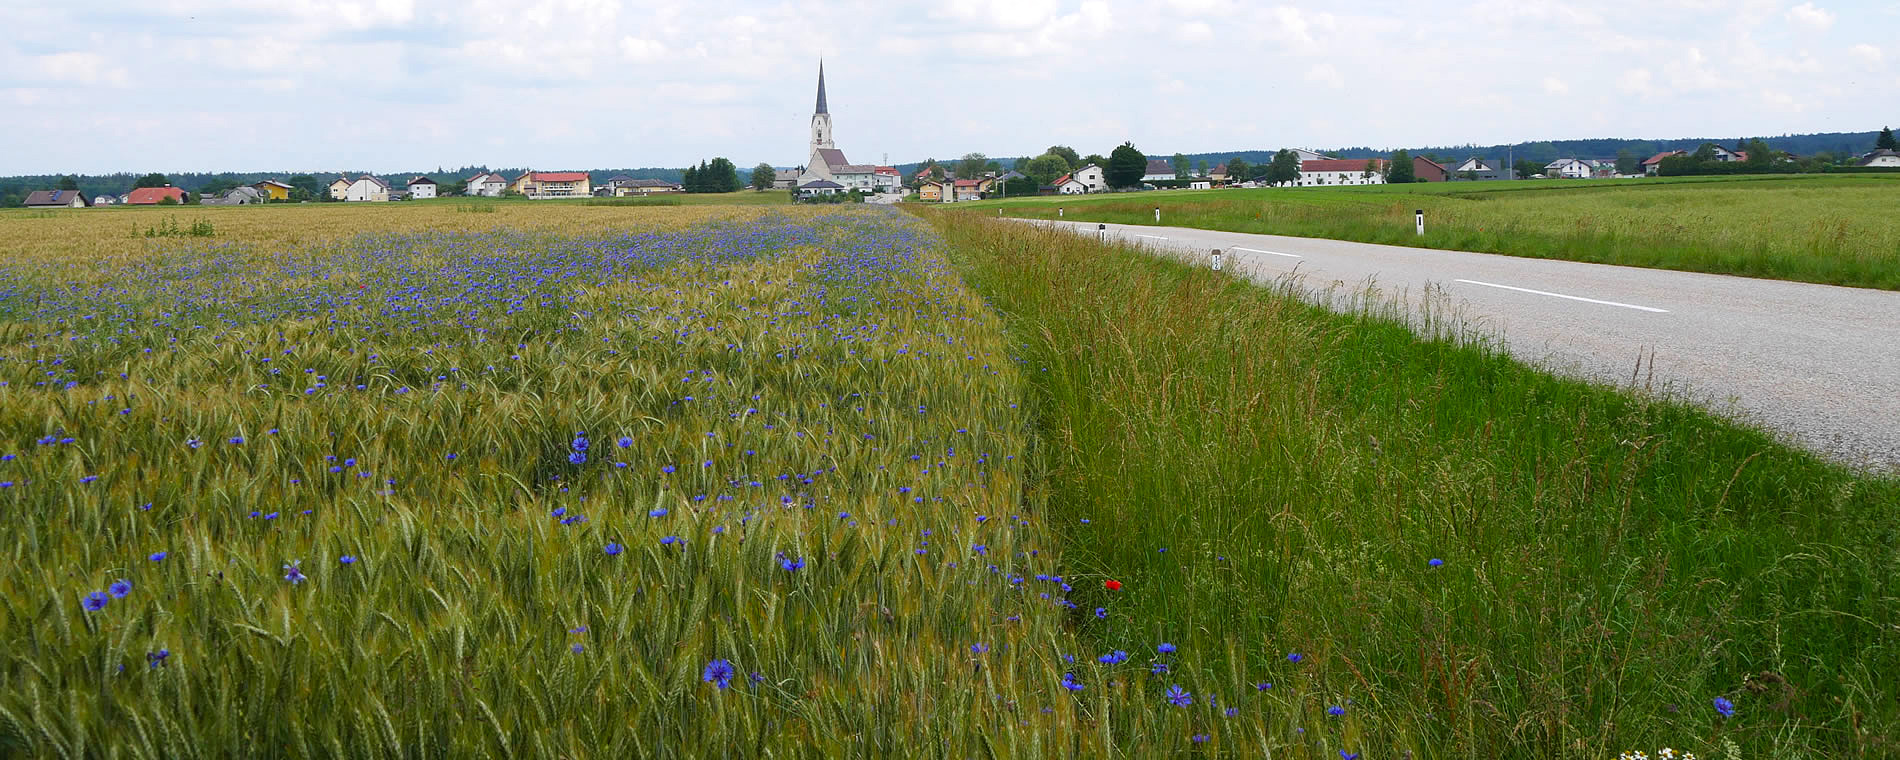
821 117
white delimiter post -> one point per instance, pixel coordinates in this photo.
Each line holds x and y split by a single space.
1102 230
1157 215
1058 212
1421 220
1216 257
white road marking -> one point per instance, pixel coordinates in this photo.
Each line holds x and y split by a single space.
1154 237
1269 253
1560 295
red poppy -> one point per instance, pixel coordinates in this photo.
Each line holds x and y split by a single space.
1112 585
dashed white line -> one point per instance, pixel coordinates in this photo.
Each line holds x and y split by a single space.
1269 253
1560 295
1151 237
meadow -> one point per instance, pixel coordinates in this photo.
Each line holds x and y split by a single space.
1832 229
408 480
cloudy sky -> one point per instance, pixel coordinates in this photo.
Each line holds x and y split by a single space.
396 85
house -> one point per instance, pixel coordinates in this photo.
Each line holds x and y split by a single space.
1728 156
1218 173
1568 168
819 187
1305 155
544 185
1883 158
1653 164
1428 170
55 199
1601 168
237 196
1200 183
273 190
486 184
421 187
1158 168
1091 177
367 188
785 179
105 200
889 180
643 187
339 188
1477 169
150 196
1341 171
933 190
968 189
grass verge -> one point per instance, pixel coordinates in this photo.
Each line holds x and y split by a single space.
1270 479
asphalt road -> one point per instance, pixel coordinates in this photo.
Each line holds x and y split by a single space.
1818 363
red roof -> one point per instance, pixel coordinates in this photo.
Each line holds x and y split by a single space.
558 176
1062 179
1657 159
887 170
148 196
967 183
1340 164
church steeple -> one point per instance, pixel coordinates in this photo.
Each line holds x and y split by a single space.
821 88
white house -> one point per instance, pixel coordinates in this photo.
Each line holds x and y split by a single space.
367 188
486 184
1093 179
1341 171
1568 168
1067 184
1885 157
421 187
1157 169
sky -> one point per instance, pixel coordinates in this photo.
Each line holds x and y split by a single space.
402 85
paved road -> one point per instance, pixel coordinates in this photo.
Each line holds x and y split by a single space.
1817 362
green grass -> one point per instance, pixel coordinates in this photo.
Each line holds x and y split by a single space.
1268 477
1837 230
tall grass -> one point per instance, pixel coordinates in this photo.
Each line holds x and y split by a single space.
1475 558
1833 230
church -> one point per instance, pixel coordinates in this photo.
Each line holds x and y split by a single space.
827 170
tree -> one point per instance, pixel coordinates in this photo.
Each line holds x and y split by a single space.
1401 171
1125 166
1705 152
1626 162
1020 186
217 187
1885 140
306 183
993 168
455 187
1237 169
1284 168
151 180
971 165
1044 169
69 183
762 176
1526 168
1181 167
1096 159
1068 154
1760 156
1200 168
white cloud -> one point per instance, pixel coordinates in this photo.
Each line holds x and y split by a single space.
1555 86
1809 16
1325 74
1866 54
1638 82
641 51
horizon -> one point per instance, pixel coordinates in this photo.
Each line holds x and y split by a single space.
406 83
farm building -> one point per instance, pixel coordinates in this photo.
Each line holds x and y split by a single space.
1341 171
55 199
150 196
1429 170
421 187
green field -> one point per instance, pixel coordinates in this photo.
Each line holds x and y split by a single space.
556 479
1833 229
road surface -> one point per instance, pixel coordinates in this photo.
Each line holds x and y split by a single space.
1819 363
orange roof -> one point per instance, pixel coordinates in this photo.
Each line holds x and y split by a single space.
558 176
151 195
887 170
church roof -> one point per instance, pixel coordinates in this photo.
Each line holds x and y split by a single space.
821 88
833 157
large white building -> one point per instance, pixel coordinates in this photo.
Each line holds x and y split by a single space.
1341 171
367 188
827 162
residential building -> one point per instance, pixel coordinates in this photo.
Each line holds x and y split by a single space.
1305 155
367 189
1653 164
1429 170
421 187
1341 171
237 196
150 196
1200 183
1158 169
968 189
934 190
641 187
545 185
1885 158
889 180
1568 168
1067 184
818 187
55 199
1478 169
486 184
1091 177
1218 173
339 188
273 190
785 179
105 200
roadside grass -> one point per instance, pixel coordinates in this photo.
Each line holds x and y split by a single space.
1837 230
1268 478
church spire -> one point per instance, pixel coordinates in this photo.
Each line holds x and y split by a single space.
821 88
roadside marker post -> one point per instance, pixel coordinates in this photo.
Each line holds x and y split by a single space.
1058 212
1102 230
1421 220
1216 257
1157 215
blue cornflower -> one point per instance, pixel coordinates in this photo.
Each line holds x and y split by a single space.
1725 707
657 512
979 648
1159 669
578 629
1116 657
1232 711
558 511
237 440
293 572
346 559
613 549
668 469
157 556
792 565
1294 657
1262 686
981 548
578 457
120 588
624 441
1165 648
718 673
580 443
155 659
1335 711
94 601
1344 755
578 648
1069 682
1101 613
671 540
1179 697
1435 562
